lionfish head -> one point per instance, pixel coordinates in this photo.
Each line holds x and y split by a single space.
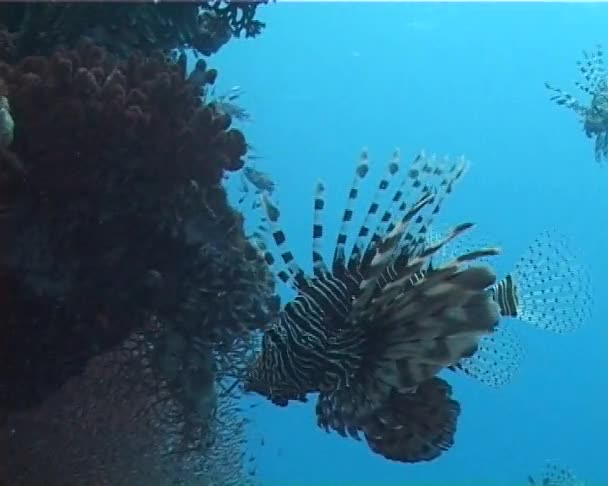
261 377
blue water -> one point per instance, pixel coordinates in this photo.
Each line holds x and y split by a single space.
323 81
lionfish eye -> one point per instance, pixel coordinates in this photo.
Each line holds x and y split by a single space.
271 335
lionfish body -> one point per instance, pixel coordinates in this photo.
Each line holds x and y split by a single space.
595 115
370 332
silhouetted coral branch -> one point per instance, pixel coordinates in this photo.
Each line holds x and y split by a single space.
121 27
116 424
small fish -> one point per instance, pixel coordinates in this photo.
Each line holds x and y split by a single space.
227 103
253 184
260 180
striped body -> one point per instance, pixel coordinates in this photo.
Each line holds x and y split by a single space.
371 330
298 356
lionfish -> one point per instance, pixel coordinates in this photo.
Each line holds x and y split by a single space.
555 475
594 84
371 331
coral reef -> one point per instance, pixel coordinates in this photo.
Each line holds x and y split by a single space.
113 212
130 431
128 290
203 26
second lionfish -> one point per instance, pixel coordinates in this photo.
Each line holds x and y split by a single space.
370 330
594 84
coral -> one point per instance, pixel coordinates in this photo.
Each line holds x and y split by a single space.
130 431
203 26
129 294
114 212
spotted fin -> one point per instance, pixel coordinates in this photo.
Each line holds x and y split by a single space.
556 475
593 71
548 288
594 80
498 358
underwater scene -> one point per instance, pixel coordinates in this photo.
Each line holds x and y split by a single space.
303 243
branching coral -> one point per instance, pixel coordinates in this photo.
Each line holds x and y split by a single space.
203 26
129 431
115 213
128 291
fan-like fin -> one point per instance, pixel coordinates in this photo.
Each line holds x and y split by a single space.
318 263
364 236
294 272
497 360
347 217
548 288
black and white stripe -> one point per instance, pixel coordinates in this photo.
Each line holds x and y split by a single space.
318 343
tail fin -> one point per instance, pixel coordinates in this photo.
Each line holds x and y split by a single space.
548 288
411 427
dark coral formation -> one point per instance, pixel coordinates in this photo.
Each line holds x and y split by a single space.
128 290
115 213
37 28
129 431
